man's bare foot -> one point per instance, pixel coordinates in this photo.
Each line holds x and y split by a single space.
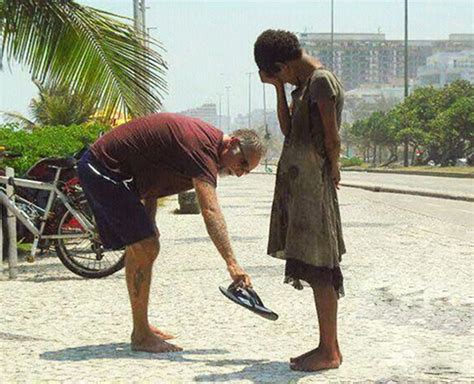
317 360
162 335
153 344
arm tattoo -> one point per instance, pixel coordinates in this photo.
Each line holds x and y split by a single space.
217 230
214 219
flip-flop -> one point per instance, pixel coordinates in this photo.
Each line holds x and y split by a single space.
248 298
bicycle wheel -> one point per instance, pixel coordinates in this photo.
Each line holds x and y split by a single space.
85 257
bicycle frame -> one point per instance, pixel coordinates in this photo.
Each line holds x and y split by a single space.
54 191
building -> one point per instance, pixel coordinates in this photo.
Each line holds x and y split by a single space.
374 99
258 121
206 112
445 67
368 58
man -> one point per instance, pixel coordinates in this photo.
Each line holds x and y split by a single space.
305 226
151 157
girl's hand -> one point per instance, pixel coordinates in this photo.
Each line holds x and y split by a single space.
269 79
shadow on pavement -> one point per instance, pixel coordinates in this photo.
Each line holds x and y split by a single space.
256 371
366 225
47 279
46 272
18 337
192 240
123 351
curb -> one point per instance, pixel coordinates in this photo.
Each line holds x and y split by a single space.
416 173
377 188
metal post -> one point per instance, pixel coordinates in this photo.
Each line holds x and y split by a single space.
332 35
265 111
142 14
11 222
405 149
1 240
137 15
267 134
220 110
250 99
228 108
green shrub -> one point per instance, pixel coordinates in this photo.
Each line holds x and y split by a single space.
55 141
351 162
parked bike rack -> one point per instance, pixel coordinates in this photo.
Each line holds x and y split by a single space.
11 233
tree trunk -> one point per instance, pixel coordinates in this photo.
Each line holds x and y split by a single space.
374 153
413 155
405 153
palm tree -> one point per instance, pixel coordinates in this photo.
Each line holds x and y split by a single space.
86 50
55 105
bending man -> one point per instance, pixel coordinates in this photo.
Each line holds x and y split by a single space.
151 157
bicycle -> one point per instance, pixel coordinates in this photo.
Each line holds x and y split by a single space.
74 235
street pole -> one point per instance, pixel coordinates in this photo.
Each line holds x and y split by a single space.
143 10
139 22
138 15
332 35
405 149
265 112
267 134
227 88
250 99
220 110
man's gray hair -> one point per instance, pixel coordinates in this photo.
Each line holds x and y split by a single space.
250 141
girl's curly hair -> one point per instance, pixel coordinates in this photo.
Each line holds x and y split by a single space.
276 46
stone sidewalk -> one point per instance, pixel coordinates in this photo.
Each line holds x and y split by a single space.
406 317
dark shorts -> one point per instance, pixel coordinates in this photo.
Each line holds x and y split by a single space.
119 214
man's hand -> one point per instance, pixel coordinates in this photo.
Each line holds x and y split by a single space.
268 79
336 175
238 275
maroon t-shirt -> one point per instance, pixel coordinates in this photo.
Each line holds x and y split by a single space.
163 152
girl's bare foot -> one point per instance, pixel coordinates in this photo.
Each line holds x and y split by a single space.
162 335
301 357
317 360
153 344
304 355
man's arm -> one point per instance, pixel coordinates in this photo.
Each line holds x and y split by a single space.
332 141
217 229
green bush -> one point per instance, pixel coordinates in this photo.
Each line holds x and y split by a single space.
55 141
351 162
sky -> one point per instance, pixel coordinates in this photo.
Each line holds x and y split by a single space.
209 44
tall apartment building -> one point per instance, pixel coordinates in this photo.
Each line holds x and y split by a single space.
445 67
206 112
368 58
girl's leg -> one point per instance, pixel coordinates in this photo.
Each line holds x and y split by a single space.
327 354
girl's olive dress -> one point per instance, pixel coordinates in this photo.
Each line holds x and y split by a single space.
305 227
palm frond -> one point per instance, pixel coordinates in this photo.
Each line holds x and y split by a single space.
87 50
21 120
